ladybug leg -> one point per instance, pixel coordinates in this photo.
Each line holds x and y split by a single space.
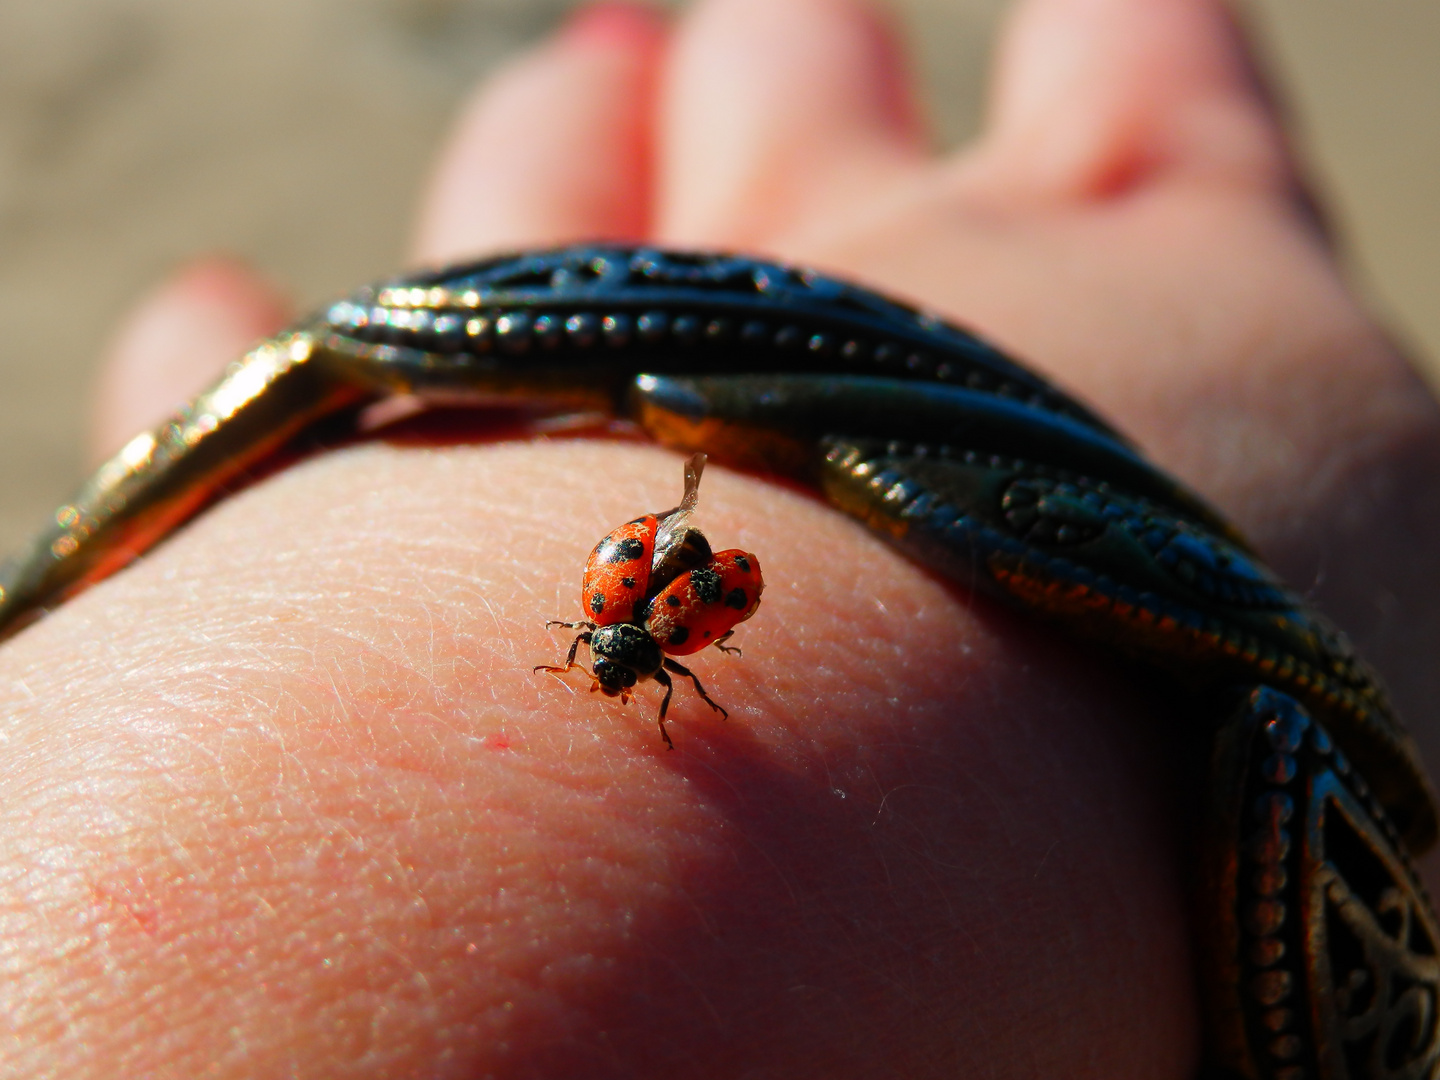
680 669
570 656
720 643
571 625
664 680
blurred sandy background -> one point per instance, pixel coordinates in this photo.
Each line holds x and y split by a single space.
137 133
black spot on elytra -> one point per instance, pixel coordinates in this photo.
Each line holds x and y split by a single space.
597 603
637 521
679 635
743 563
673 600
628 582
707 586
737 599
618 551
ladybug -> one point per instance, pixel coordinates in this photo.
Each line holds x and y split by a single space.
653 589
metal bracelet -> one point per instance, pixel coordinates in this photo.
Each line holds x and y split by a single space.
1320 952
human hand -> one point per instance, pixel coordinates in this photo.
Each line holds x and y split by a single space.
287 798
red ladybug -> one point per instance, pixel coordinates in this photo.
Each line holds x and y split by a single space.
653 587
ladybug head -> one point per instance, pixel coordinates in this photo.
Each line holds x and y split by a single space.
614 679
624 654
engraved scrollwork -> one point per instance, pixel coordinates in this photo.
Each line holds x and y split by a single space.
1059 514
1334 965
1380 943
1210 566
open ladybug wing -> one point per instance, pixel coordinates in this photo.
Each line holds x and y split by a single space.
678 545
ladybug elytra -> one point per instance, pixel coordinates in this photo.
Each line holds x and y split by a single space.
653 590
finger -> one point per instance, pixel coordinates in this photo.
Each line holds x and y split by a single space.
1093 96
175 342
775 115
556 147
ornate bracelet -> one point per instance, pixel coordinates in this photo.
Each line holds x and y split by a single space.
1320 954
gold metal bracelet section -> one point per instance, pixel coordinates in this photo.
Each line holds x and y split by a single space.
162 478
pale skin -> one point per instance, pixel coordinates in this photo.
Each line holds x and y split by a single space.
286 798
